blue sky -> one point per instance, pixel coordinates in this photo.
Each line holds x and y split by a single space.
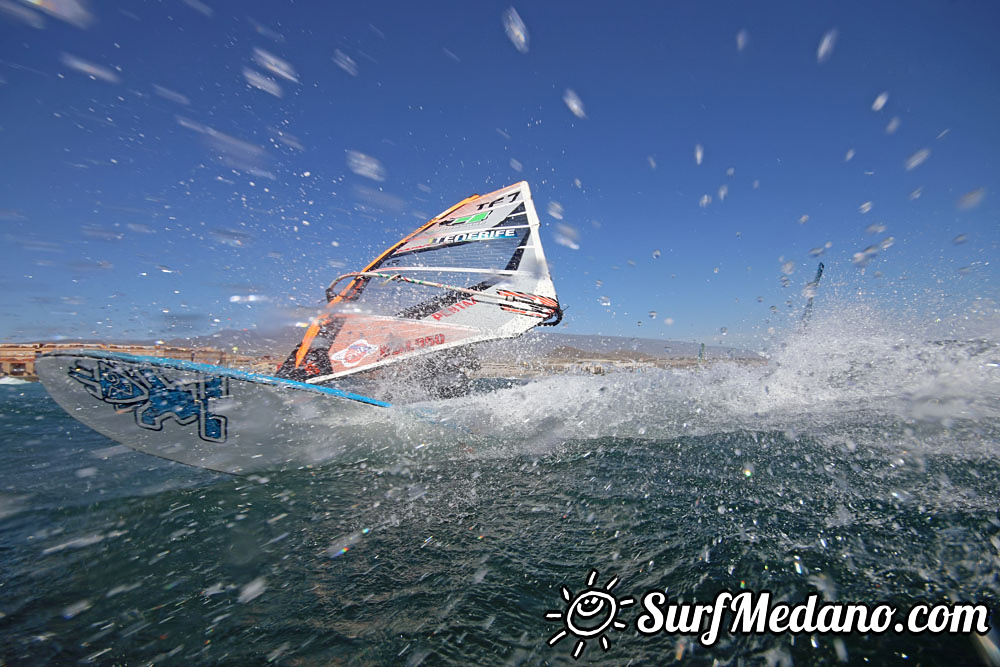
164 161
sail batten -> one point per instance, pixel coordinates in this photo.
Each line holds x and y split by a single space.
474 273
451 269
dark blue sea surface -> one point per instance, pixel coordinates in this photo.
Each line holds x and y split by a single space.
846 482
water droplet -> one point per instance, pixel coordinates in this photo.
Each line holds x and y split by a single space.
516 31
248 298
656 254
669 321
651 161
230 237
960 239
841 649
880 101
252 590
365 165
555 209
574 103
516 165
788 268
705 201
826 45
70 11
200 7
76 608
803 219
742 39
567 236
886 243
816 252
723 191
917 159
971 199
92 70
171 95
864 208
23 14
261 82
902 495
916 193
275 65
278 652
699 153
652 314
265 31
861 259
850 155
876 228
287 139
893 125
345 62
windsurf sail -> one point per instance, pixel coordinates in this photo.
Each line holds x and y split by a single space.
474 273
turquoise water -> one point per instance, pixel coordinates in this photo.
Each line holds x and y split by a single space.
881 483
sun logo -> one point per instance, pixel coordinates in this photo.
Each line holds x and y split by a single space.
589 614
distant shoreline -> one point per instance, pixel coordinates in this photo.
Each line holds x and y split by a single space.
17 360
527 356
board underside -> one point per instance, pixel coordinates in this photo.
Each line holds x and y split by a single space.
219 418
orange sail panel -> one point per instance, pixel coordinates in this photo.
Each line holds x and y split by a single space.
364 340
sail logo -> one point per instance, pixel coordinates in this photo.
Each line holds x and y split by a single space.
503 199
411 345
153 399
476 217
354 354
455 308
485 235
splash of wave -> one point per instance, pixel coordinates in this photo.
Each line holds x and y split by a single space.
851 367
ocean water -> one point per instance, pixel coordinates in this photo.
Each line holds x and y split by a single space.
864 466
